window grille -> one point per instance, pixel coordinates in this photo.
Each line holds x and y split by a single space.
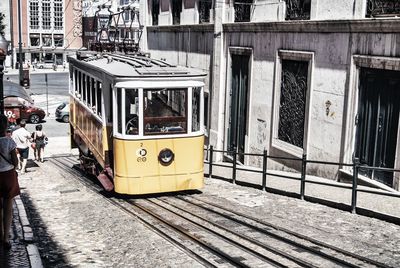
46 15
381 8
34 15
298 9
155 11
58 15
243 10
204 10
293 102
176 11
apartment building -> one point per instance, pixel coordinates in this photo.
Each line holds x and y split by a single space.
319 78
51 29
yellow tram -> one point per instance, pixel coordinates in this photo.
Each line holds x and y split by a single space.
138 122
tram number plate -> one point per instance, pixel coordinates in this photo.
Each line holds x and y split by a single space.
141 159
141 155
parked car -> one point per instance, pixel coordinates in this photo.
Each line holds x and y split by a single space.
19 104
16 107
62 112
46 64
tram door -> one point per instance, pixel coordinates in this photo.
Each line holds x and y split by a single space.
237 128
377 122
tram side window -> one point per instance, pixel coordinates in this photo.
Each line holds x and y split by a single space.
196 109
84 88
93 95
87 100
98 97
165 111
76 85
79 85
131 111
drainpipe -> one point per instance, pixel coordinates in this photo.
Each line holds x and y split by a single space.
219 79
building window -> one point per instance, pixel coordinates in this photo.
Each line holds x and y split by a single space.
58 14
243 10
58 41
46 40
34 40
124 2
176 11
34 15
155 11
293 102
127 16
298 9
46 15
292 98
204 10
382 8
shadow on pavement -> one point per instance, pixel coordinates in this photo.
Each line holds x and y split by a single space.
51 253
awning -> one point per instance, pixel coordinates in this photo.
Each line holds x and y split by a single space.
12 89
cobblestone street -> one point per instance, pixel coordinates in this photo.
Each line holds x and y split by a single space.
74 226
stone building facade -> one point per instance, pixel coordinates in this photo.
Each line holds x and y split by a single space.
293 77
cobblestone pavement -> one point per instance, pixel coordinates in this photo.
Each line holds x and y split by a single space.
75 227
18 255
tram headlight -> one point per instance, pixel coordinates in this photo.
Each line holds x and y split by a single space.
166 156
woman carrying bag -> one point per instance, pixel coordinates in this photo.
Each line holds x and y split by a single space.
39 142
9 187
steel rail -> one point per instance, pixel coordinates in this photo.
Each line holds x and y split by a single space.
244 237
312 240
181 230
83 180
283 239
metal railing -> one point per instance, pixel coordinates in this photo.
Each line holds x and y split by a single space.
303 180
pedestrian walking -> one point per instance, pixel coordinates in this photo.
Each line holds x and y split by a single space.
39 141
9 187
22 137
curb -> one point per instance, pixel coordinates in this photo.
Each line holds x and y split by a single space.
33 252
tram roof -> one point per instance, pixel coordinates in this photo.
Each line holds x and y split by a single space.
122 65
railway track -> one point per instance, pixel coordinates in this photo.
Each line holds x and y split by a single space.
217 236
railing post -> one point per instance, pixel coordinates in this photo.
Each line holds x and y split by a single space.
234 167
210 160
264 170
303 176
354 187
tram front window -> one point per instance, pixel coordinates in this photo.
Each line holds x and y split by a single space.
131 111
165 111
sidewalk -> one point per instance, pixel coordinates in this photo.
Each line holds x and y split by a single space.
368 204
24 252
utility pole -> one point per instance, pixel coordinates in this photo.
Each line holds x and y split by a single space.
20 68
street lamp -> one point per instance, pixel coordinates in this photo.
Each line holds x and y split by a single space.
3 54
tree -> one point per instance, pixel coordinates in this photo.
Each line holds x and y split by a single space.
2 23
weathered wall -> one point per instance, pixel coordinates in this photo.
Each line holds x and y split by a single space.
332 36
333 51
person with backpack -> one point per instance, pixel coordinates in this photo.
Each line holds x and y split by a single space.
9 187
40 141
